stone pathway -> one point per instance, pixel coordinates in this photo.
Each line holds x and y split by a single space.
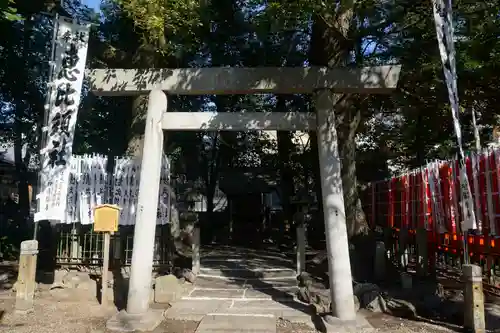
246 289
237 323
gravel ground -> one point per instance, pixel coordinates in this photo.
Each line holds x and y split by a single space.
385 323
284 326
75 316
53 315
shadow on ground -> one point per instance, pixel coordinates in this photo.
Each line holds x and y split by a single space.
8 275
440 302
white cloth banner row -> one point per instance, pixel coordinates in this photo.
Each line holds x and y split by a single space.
89 186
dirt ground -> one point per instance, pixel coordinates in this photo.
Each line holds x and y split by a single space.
52 315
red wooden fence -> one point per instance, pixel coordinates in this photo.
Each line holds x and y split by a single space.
430 198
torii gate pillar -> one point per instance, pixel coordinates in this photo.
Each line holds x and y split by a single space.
138 316
339 267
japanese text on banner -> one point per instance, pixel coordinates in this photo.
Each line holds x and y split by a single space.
69 66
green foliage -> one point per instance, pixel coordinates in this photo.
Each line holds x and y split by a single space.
8 250
8 11
161 22
406 128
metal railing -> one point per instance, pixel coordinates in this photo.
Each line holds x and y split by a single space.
78 246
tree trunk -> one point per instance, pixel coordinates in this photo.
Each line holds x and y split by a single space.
137 126
19 127
286 177
316 175
212 174
420 153
210 177
22 175
347 150
330 46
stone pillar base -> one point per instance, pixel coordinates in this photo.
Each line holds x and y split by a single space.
125 322
335 325
474 319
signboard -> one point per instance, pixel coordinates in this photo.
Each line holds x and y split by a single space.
106 218
64 99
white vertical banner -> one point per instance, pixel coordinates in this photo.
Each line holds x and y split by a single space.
425 182
444 29
69 69
163 214
477 195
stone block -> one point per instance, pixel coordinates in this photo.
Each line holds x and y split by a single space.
474 316
89 285
26 285
74 279
167 289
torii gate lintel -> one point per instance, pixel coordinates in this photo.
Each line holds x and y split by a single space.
242 80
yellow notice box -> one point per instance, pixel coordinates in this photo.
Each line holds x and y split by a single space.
106 218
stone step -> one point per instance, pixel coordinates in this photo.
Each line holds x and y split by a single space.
197 310
279 294
215 323
290 310
247 273
239 263
220 249
245 256
228 283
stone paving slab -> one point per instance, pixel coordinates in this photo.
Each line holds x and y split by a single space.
298 315
246 255
236 323
292 311
198 309
213 282
265 284
246 263
219 293
265 305
247 273
195 310
237 250
232 256
272 293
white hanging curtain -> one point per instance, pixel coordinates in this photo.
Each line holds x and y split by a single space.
442 10
89 186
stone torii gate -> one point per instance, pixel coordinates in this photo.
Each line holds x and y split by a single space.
205 81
